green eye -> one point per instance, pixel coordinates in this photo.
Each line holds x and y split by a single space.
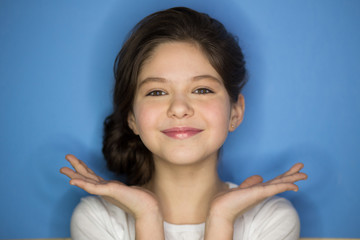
203 91
156 93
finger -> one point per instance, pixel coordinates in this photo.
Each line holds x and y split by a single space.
75 175
274 189
251 181
294 169
268 190
68 172
90 173
81 167
97 188
77 164
298 176
89 185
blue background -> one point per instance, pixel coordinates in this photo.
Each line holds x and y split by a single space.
302 103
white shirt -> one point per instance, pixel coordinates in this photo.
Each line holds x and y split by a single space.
95 218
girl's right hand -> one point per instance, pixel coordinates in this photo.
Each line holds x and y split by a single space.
137 201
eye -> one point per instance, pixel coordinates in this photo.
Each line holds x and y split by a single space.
203 91
156 93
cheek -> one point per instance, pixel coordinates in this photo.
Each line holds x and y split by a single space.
145 116
218 112
147 123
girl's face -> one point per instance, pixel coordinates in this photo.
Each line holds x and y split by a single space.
182 111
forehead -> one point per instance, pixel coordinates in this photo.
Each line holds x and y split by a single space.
177 60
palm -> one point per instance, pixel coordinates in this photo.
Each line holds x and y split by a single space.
134 200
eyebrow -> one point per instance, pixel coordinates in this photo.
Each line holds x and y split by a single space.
208 77
152 79
164 80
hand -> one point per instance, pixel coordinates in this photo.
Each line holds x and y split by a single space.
234 202
135 200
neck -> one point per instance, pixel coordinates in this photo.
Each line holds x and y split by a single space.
185 192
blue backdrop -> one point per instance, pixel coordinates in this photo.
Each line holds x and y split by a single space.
302 103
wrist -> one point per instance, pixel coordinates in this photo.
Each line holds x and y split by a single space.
150 216
226 221
149 212
221 215
150 226
217 227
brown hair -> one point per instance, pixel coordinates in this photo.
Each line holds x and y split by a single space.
123 150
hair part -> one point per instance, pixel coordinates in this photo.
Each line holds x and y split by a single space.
123 150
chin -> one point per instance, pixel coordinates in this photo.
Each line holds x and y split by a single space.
187 158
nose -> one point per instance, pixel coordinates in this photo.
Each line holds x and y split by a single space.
180 107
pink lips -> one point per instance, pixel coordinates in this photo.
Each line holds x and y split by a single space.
181 132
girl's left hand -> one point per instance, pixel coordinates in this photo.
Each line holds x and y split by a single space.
227 205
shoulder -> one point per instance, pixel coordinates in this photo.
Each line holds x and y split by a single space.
90 204
274 218
275 209
95 218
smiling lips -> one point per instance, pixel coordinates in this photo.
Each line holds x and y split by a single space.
181 132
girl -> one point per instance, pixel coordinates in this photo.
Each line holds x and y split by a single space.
177 95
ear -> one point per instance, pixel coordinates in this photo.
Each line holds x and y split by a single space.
237 113
132 123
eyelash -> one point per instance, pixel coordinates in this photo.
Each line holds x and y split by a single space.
201 91
156 93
